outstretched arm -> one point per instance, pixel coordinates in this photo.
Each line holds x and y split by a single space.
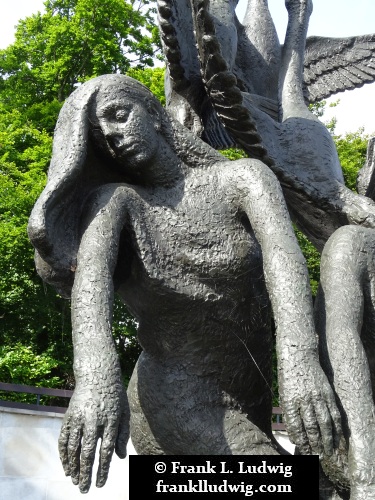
307 398
98 408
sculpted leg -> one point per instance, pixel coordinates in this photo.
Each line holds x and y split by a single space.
291 74
346 270
223 13
260 59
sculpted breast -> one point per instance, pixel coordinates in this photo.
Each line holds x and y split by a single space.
194 247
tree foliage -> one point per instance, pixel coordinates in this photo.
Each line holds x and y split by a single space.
152 78
31 314
73 41
352 150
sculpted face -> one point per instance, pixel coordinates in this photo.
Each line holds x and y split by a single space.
129 128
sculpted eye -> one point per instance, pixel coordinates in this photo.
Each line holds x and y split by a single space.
121 114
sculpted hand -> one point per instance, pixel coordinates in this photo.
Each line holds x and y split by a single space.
94 412
360 210
312 417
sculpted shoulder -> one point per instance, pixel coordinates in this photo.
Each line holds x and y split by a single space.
245 177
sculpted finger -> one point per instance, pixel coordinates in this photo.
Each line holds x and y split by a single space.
310 422
105 455
74 451
337 434
63 447
122 436
296 431
326 430
87 458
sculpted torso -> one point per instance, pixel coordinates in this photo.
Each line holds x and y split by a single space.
189 243
190 269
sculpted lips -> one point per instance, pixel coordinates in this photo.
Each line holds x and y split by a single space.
121 148
128 148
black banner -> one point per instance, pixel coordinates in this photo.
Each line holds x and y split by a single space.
206 477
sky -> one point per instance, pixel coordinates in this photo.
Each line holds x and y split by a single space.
335 18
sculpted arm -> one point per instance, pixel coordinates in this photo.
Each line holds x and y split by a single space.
307 399
98 408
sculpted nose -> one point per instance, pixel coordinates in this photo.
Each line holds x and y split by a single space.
114 139
111 131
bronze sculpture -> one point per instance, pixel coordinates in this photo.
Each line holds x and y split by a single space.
170 223
197 246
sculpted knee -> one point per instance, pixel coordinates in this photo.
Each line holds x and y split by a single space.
344 251
344 240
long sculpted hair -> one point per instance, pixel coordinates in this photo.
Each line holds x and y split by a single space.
77 169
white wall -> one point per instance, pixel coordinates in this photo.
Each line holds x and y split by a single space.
30 467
